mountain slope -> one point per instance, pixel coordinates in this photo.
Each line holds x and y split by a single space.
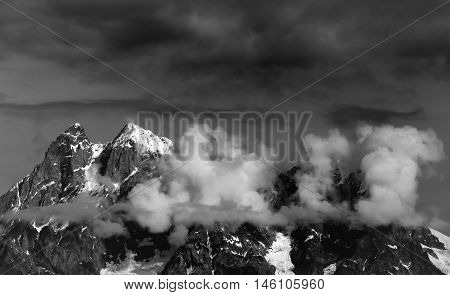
69 169
440 257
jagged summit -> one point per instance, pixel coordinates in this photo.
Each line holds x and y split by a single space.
75 129
57 178
142 139
72 140
133 149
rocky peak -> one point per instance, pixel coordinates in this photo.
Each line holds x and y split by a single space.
72 145
75 129
134 149
144 141
58 176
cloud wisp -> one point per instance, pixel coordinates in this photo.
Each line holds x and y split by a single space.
83 208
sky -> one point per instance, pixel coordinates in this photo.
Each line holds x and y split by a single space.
220 55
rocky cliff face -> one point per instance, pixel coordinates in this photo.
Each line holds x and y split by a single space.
49 247
54 247
57 178
132 150
224 250
337 249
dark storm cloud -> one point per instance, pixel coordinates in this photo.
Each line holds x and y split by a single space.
347 116
76 106
125 106
40 111
208 49
427 56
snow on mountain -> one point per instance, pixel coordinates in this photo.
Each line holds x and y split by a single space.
442 259
129 266
76 138
143 140
123 158
97 149
279 255
330 269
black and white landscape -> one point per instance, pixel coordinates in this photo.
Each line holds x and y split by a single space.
225 137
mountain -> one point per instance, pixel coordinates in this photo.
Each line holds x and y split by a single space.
34 245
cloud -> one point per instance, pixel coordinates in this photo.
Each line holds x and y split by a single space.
391 167
82 209
200 49
3 96
76 106
316 184
207 189
207 184
106 228
348 116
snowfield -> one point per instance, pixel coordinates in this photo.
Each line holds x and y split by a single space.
279 255
443 260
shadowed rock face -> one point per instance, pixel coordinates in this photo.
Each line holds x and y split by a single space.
350 249
57 178
133 148
390 250
48 247
51 250
52 247
223 250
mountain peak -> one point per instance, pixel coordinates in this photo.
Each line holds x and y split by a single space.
75 130
72 139
131 126
142 139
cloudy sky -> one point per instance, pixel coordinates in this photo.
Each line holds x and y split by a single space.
220 55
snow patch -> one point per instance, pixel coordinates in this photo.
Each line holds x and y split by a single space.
443 256
97 149
48 185
59 226
40 227
144 140
392 246
232 240
131 174
91 184
279 255
125 268
310 237
406 265
330 269
130 267
19 202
